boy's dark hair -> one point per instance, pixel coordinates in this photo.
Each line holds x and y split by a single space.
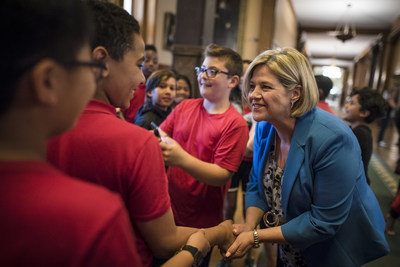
325 83
370 100
233 61
246 61
150 47
156 78
32 30
114 28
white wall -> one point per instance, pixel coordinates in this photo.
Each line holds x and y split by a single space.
285 34
252 29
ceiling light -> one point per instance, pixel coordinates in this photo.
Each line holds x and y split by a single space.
345 31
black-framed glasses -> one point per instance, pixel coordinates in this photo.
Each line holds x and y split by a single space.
96 66
211 72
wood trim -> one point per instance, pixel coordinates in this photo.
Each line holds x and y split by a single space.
267 25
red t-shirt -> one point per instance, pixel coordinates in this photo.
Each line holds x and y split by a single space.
215 138
121 156
50 219
325 106
137 101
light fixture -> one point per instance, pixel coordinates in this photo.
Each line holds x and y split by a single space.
345 31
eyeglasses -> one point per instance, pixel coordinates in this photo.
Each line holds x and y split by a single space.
210 73
96 66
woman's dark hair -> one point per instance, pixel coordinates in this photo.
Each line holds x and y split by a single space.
32 30
114 28
370 100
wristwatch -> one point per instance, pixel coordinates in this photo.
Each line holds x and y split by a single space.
198 257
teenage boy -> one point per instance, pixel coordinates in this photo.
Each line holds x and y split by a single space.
47 78
160 94
206 143
150 65
121 156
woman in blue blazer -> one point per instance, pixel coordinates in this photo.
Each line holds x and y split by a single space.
307 184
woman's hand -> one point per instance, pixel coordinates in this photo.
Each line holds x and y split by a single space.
242 244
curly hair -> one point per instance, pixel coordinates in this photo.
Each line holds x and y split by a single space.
114 28
370 100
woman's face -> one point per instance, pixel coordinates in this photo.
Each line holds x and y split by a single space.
269 100
182 91
163 95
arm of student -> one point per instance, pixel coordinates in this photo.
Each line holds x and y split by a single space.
185 258
205 172
164 238
249 146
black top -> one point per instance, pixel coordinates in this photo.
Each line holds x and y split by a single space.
364 137
148 113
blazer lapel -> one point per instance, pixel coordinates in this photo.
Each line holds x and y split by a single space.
296 156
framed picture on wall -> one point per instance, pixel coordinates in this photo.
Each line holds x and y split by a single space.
169 30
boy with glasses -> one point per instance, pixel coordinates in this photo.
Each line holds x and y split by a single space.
206 143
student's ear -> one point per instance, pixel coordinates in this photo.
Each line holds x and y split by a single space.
364 114
100 53
45 80
148 93
234 80
320 92
296 93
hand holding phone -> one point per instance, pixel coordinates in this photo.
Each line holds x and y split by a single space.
155 127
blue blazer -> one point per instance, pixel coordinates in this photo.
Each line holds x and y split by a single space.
331 213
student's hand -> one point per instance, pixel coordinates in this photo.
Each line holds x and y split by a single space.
239 228
199 241
242 244
173 153
229 237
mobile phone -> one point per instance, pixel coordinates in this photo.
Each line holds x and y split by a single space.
155 127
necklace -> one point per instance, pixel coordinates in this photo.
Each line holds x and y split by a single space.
271 217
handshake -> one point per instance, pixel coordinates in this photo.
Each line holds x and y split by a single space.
233 240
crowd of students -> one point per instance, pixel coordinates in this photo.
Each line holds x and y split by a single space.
81 187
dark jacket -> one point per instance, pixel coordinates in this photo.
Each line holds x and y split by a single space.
148 113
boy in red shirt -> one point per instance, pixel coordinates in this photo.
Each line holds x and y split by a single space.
150 65
207 142
47 77
121 156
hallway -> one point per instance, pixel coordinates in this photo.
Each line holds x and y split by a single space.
385 185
